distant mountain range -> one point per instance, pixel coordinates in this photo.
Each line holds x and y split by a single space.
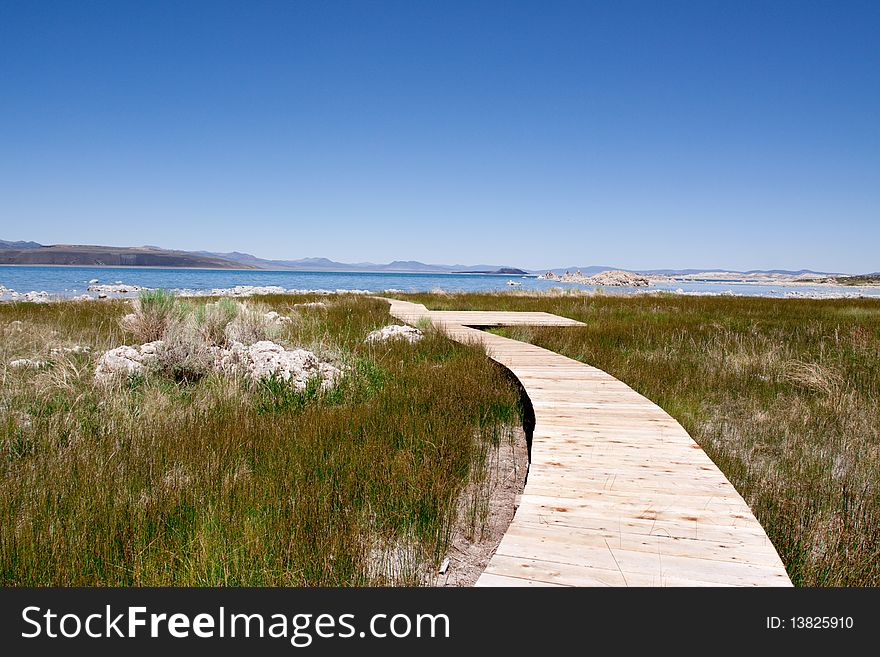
83 255
32 253
324 264
19 245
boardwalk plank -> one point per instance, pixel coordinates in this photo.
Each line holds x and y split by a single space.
618 494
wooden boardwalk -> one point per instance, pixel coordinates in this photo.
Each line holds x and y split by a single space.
617 494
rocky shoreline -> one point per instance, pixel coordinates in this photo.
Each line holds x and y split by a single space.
121 290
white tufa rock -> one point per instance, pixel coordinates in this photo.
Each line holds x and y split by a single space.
116 288
129 321
125 360
75 349
619 278
265 359
393 332
246 290
310 304
27 363
610 278
149 349
275 318
33 296
260 360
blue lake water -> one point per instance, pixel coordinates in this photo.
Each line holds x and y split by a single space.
73 281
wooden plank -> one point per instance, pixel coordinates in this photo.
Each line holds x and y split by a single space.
570 546
490 579
618 494
552 572
745 535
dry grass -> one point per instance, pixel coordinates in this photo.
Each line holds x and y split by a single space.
784 395
164 480
212 320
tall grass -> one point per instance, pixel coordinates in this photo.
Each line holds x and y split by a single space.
212 319
154 310
216 482
784 395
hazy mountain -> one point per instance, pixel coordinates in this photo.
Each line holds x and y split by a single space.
22 252
325 264
510 271
87 255
19 245
32 253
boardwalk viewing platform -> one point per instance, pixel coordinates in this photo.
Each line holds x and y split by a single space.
618 493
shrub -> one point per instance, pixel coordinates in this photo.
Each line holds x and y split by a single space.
183 354
153 312
250 325
212 319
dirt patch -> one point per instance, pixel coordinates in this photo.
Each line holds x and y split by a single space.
485 510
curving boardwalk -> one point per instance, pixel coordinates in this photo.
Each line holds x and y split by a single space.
618 494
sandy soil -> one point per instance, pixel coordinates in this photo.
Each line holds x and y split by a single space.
506 475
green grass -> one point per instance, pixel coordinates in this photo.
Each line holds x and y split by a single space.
220 482
217 482
784 395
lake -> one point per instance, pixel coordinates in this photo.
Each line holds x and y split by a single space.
74 281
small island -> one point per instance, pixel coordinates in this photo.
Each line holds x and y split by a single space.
610 278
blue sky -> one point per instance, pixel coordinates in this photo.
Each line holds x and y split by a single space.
635 134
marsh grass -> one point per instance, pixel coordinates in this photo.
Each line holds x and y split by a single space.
153 311
165 480
784 395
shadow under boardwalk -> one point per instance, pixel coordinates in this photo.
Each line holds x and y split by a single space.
618 493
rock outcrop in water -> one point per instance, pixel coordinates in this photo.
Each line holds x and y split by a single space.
610 278
619 278
32 297
118 288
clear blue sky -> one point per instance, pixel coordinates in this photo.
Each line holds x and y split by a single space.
637 134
